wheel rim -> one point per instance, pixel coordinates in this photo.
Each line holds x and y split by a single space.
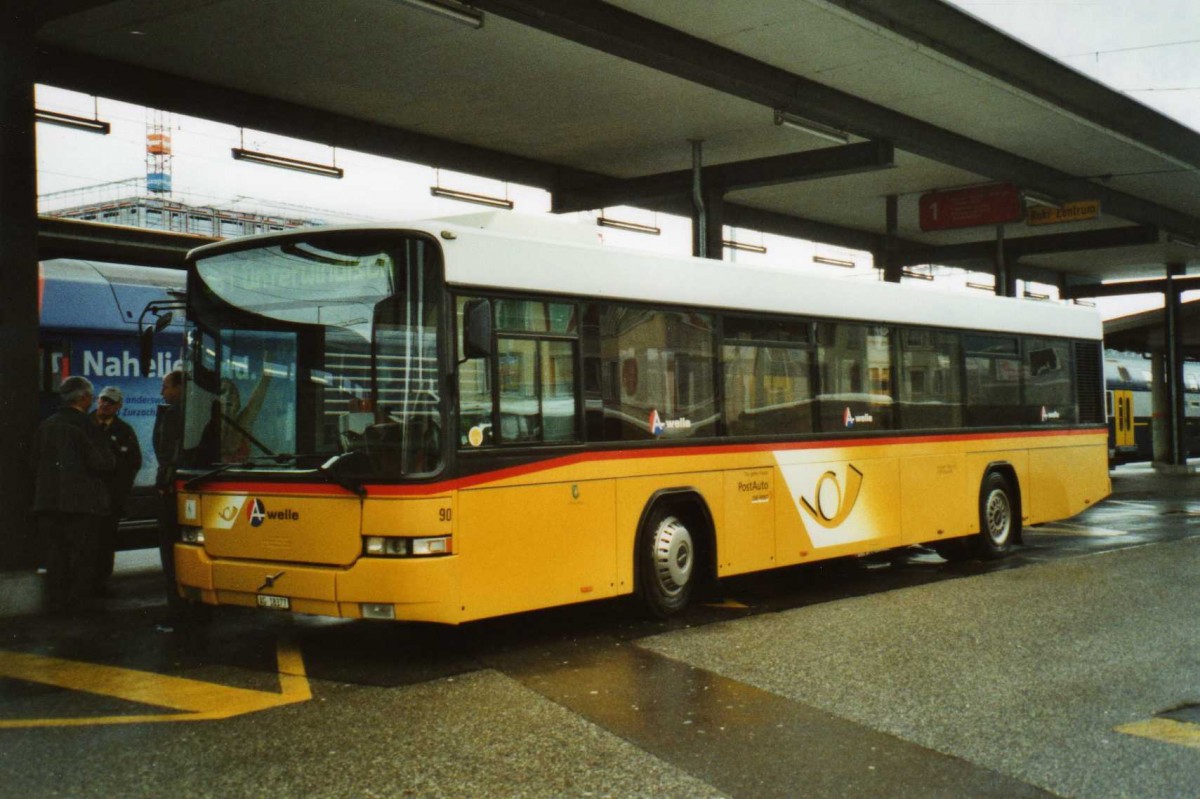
998 513
672 556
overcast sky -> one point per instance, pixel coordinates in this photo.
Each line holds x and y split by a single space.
1148 49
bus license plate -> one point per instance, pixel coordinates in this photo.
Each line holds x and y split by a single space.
274 602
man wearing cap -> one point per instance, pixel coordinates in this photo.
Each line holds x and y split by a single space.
71 465
123 441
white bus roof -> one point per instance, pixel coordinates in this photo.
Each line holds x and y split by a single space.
524 253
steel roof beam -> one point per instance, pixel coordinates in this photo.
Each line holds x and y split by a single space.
119 81
957 34
643 41
950 254
74 238
826 162
1152 286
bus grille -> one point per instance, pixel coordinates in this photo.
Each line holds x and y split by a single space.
1089 376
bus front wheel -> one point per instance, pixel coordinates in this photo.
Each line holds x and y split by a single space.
667 564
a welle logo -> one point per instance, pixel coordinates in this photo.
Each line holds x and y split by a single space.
257 513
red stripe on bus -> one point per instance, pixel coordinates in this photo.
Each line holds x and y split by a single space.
329 489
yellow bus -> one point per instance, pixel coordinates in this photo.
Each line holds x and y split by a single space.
453 420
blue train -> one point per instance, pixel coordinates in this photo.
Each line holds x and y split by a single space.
89 326
1127 382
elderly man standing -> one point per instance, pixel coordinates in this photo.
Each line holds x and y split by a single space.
123 442
71 461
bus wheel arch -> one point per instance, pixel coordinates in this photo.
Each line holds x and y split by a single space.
674 552
999 511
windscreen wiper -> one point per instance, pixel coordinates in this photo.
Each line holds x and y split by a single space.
224 467
204 478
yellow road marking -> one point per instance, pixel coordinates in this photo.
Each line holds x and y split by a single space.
1180 733
192 700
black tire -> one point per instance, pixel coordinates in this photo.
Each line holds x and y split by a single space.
999 518
667 563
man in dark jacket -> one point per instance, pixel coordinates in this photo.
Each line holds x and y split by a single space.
168 444
123 442
70 462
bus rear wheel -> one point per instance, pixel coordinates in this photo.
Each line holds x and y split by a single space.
999 524
999 521
667 564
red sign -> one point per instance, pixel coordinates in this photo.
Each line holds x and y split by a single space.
981 205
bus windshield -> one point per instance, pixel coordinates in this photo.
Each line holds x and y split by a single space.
318 352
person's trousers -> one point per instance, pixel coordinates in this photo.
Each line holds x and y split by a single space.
70 556
106 548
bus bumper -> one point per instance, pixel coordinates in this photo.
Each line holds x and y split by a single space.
417 589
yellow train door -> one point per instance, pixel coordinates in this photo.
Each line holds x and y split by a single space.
1123 419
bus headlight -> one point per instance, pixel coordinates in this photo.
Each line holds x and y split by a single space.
380 546
191 535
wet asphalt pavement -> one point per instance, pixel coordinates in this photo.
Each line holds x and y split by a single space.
1068 669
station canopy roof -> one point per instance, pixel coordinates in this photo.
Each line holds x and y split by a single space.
598 102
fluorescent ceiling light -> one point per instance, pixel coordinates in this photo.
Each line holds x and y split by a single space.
635 227
449 9
739 245
468 197
818 129
267 159
913 273
70 121
982 286
1043 200
824 259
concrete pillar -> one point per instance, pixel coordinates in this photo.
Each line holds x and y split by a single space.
1174 348
1160 409
892 270
18 289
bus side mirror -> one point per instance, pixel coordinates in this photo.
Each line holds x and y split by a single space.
146 340
145 349
477 332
